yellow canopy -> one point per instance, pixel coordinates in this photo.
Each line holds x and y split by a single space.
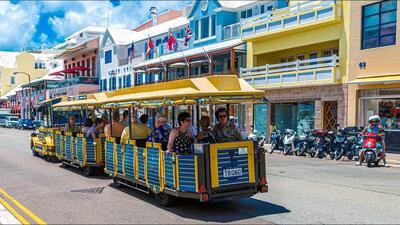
377 79
189 89
82 100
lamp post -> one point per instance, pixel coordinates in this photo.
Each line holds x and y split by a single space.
29 92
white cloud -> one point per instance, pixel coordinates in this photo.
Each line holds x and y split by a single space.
18 23
126 15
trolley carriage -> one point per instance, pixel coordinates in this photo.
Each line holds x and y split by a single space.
219 171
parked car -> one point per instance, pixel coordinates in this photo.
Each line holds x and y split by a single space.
3 119
25 124
11 121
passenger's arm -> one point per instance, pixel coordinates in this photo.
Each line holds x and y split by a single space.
124 136
106 131
171 138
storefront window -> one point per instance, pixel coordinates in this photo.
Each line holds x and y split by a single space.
260 118
387 109
296 116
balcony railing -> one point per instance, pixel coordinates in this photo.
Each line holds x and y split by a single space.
296 15
322 70
231 31
74 81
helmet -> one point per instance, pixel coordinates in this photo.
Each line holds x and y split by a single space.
374 118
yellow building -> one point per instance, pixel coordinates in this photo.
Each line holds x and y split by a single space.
297 54
326 62
374 68
11 62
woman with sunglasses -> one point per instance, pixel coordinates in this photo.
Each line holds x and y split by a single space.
180 140
225 130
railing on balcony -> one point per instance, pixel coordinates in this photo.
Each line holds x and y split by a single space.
295 15
73 81
231 31
310 70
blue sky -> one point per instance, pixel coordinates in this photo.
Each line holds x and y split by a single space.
36 24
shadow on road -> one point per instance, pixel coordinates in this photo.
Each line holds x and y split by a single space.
98 173
221 212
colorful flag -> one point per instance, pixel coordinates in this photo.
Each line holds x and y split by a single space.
150 45
188 35
132 52
171 41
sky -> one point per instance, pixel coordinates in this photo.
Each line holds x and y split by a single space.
43 24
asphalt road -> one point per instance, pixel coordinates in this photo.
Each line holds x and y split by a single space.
302 190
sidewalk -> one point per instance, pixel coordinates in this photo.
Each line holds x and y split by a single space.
392 159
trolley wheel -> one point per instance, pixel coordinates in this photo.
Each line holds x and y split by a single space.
165 199
54 159
87 171
34 153
64 165
47 158
116 183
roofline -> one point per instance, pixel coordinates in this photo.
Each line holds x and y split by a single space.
168 10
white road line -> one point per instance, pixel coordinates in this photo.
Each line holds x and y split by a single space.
6 217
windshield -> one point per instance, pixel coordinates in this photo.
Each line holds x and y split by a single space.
13 119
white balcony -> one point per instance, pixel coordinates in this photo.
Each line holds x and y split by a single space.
299 15
231 31
301 72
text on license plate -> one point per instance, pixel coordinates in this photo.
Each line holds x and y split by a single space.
232 172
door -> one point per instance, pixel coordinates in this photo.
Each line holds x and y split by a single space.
330 115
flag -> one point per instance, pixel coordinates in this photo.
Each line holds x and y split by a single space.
132 53
188 35
171 41
150 45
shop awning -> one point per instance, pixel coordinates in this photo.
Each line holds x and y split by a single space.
198 62
178 65
153 69
80 68
56 74
67 71
377 80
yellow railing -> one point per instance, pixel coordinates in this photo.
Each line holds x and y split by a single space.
297 15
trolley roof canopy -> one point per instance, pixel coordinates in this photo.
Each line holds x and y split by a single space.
211 89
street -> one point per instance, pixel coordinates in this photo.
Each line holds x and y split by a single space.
301 190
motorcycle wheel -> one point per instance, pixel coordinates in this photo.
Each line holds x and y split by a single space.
338 154
320 153
369 160
273 146
350 157
301 150
312 154
286 149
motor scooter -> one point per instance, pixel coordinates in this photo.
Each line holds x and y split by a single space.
306 144
324 143
372 149
289 141
276 141
259 138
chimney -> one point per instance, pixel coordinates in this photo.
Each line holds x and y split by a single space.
154 15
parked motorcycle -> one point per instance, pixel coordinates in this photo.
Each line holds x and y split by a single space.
372 149
306 144
345 142
324 143
289 141
259 138
276 141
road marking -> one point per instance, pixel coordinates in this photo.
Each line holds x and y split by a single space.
8 215
22 207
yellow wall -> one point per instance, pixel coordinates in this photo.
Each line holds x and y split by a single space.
25 62
274 57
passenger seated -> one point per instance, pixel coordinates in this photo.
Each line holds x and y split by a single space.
71 127
180 139
225 130
125 119
117 128
89 129
161 133
100 124
140 132
205 135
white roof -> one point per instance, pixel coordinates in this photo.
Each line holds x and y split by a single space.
234 4
162 28
90 29
192 52
50 77
122 36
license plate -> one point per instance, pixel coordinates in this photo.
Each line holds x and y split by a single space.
236 172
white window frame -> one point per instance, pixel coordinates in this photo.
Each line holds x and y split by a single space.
210 37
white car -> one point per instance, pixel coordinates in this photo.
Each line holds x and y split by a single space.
11 121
